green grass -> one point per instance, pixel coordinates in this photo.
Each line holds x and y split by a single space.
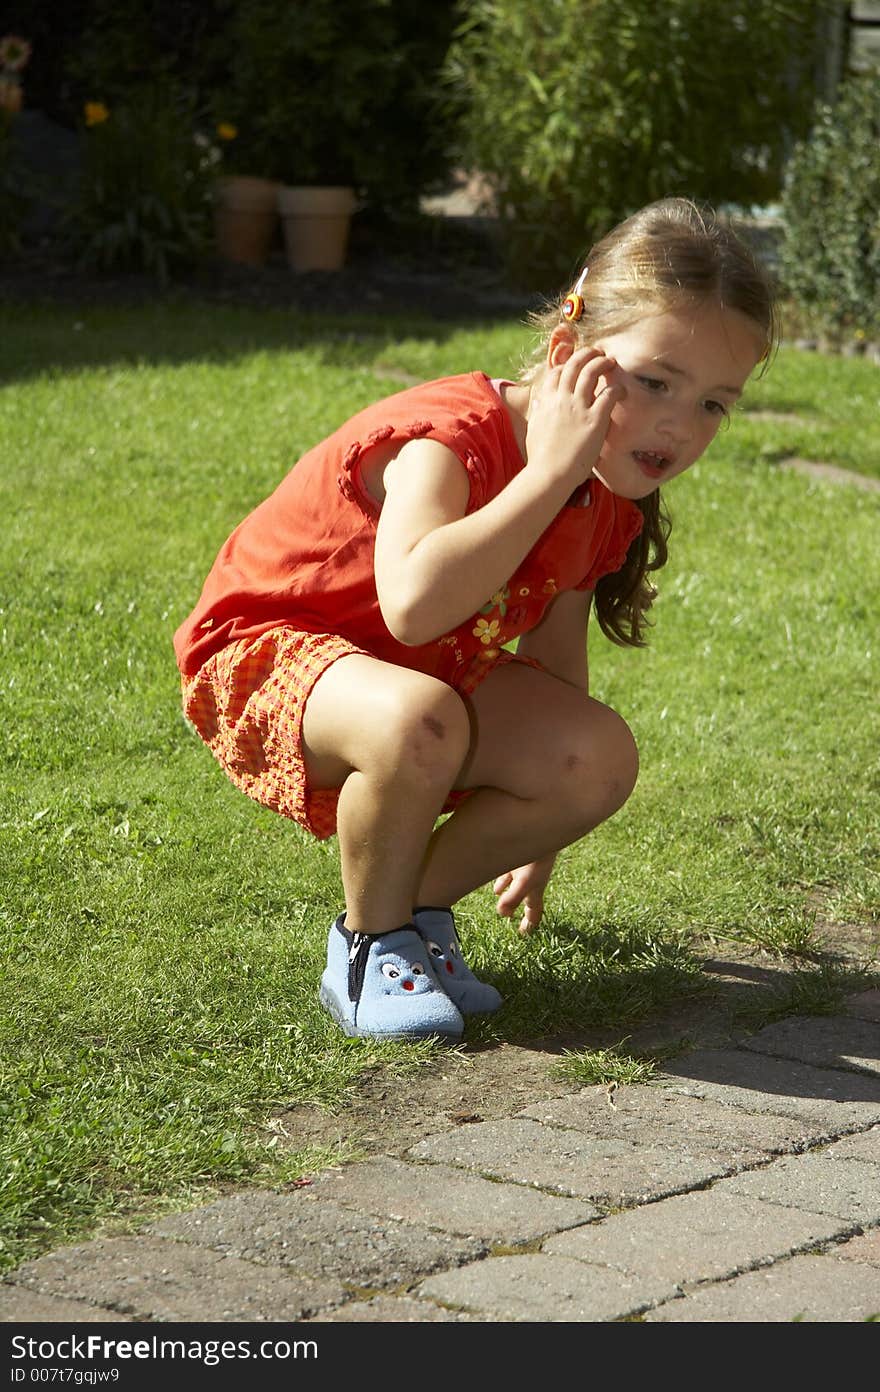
604 1067
162 937
836 400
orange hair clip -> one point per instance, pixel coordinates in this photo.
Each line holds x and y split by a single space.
573 304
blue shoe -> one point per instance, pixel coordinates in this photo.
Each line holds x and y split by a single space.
437 928
383 986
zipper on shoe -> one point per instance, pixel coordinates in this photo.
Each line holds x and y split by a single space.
357 964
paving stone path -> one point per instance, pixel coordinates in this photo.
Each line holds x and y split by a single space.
744 1185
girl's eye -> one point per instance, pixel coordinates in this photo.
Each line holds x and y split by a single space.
716 408
653 384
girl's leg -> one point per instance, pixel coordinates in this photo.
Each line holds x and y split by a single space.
394 741
549 764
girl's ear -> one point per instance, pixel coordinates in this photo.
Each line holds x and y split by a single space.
563 341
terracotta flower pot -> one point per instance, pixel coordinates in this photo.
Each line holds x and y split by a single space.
316 225
245 218
10 95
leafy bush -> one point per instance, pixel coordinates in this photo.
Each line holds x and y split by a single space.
110 44
337 93
356 78
830 258
144 198
581 111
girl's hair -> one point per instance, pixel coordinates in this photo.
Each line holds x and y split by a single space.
670 254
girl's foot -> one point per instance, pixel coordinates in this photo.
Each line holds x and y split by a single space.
383 986
437 928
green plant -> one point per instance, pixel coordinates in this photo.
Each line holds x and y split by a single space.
831 209
610 1068
144 196
581 111
302 84
335 94
110 44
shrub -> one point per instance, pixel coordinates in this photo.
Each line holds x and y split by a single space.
111 44
359 78
144 195
581 111
337 93
830 256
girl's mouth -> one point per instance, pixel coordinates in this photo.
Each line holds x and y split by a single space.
652 463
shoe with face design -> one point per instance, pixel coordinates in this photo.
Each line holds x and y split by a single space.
437 928
383 986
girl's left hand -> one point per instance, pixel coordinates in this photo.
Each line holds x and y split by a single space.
524 886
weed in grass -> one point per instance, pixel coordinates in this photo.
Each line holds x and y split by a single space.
602 1067
820 990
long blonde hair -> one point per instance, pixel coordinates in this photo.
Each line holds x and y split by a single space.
670 254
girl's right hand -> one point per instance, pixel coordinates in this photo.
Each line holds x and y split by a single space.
569 413
524 887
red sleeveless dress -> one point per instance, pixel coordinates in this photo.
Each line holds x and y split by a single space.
293 588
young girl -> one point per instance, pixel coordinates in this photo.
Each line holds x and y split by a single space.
346 662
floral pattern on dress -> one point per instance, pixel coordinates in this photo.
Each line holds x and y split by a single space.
498 601
487 630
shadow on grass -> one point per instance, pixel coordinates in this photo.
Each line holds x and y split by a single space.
76 322
661 1000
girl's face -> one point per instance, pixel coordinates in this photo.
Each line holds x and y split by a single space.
683 371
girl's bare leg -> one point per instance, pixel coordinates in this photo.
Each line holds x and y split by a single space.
549 764
394 741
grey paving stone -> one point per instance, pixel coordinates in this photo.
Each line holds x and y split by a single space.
695 1237
828 1042
401 1309
608 1171
661 1116
865 1004
848 1189
538 1287
806 1288
153 1278
319 1238
452 1200
18 1305
836 1099
865 1145
863 1248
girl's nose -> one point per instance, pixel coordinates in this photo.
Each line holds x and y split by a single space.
677 427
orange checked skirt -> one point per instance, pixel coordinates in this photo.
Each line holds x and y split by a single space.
247 704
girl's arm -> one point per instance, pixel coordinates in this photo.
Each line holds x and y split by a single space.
435 564
559 641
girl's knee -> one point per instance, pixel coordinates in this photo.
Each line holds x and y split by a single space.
621 757
427 729
599 765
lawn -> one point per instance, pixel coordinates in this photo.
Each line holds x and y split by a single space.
162 937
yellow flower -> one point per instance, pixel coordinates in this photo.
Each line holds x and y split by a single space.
487 630
226 130
95 112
